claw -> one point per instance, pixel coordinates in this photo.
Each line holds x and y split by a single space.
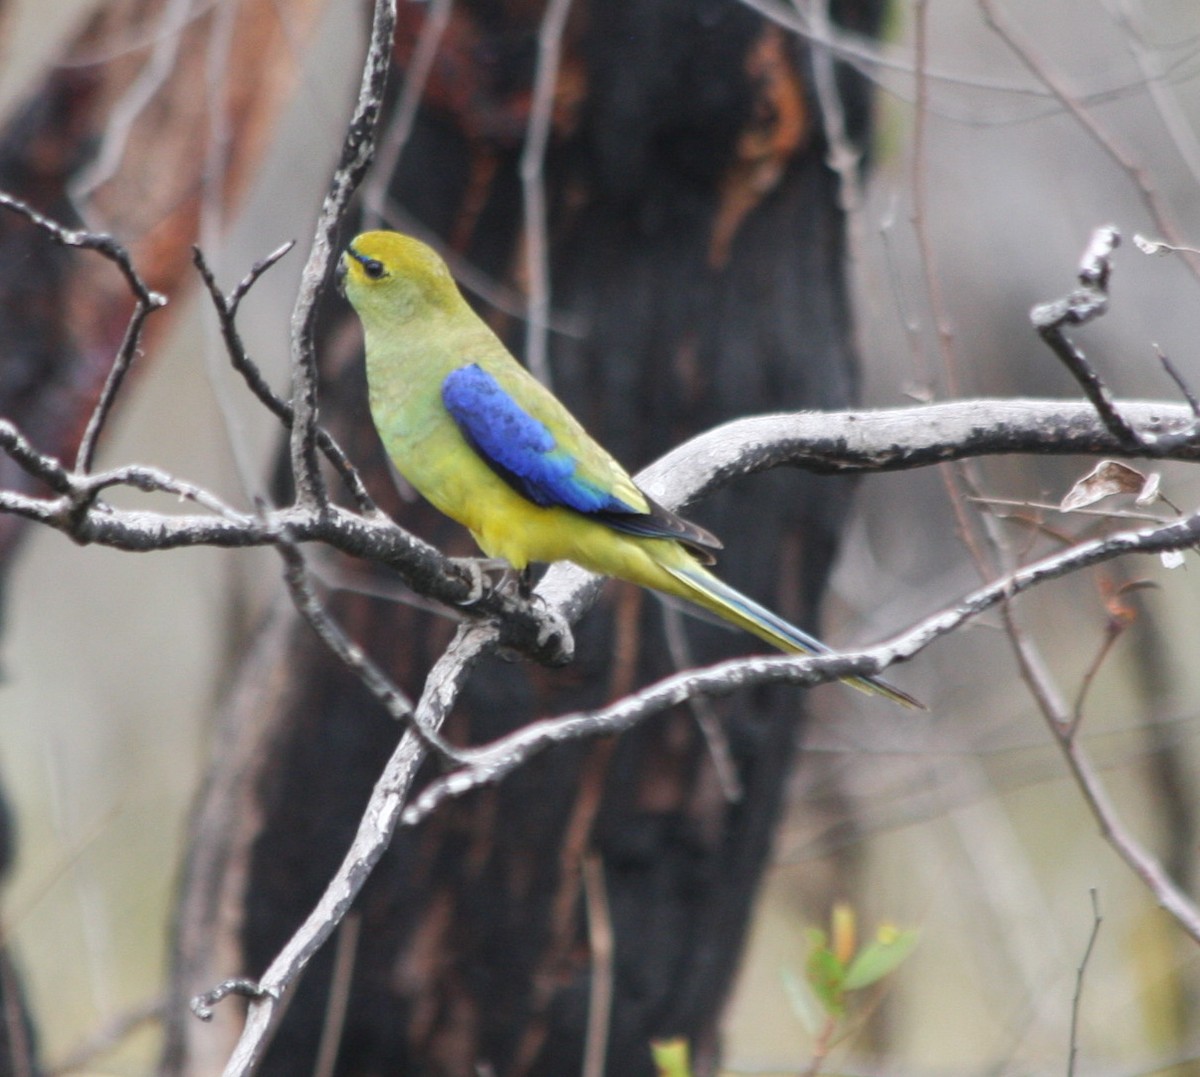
478 568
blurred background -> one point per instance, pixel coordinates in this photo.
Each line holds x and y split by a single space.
964 822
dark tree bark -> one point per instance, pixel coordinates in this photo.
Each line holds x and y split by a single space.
698 247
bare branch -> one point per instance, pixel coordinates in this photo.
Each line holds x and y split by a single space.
226 308
357 151
533 158
1085 303
374 834
1137 173
145 301
489 763
394 701
374 195
1097 920
824 443
1058 718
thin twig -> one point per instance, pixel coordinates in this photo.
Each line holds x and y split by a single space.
1058 719
1077 997
532 172
340 982
600 942
1085 303
1047 506
394 701
151 480
1180 381
1112 632
391 146
240 986
145 301
357 151
227 308
1139 175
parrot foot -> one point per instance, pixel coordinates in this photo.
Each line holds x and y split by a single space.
478 568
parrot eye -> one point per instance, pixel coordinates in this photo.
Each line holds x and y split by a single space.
373 269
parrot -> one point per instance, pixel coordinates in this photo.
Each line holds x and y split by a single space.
486 443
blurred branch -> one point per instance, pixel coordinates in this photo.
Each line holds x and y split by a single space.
843 156
334 1027
533 189
375 188
1078 109
1161 89
107 1037
1064 727
600 943
1080 972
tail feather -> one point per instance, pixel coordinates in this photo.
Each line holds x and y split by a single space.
707 590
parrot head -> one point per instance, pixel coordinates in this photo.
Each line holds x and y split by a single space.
386 275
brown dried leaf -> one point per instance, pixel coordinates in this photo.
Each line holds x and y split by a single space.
1107 479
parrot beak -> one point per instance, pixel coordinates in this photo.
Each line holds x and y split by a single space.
339 275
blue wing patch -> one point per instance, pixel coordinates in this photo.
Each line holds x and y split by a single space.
519 447
523 452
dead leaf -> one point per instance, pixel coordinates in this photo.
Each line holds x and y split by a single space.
1107 479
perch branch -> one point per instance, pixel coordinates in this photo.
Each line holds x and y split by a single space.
492 762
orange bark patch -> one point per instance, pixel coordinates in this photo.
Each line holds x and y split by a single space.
779 128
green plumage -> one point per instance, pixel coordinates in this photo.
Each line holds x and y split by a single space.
506 459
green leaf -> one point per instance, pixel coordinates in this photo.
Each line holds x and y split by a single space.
805 1006
826 977
879 958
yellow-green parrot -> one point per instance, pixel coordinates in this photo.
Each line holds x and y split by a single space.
487 444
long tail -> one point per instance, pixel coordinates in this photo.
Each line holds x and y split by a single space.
705 589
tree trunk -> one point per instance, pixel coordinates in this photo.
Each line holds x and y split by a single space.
696 251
